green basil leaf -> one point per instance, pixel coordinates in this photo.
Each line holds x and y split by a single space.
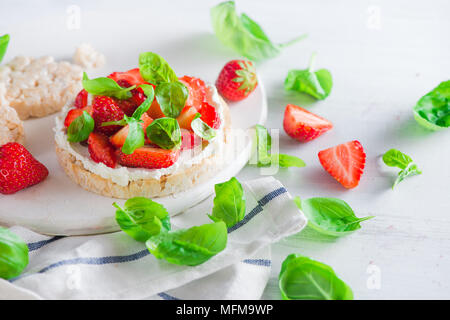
330 216
135 138
302 278
155 69
142 218
264 159
171 97
80 128
148 89
201 129
432 111
191 246
242 34
315 83
229 202
106 87
396 158
13 254
143 108
4 41
165 132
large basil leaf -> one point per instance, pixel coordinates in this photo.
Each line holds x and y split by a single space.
396 158
330 216
315 83
80 128
4 41
229 202
191 246
142 218
106 87
242 34
432 111
165 132
13 254
302 278
155 69
171 97
263 146
202 129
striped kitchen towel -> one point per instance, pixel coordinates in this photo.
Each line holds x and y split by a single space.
114 266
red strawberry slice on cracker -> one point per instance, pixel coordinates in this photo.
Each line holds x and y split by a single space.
148 157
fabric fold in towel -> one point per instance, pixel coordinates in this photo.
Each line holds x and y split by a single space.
114 266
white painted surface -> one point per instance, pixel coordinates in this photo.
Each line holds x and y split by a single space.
380 71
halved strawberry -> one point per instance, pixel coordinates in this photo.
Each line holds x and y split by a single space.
155 110
197 91
100 150
148 157
75 113
133 76
303 125
118 139
81 99
189 140
186 116
209 115
345 162
104 109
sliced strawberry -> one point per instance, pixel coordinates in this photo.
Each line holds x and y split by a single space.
19 169
101 150
303 125
148 157
118 139
345 162
105 109
209 115
197 91
81 99
186 116
155 110
133 77
237 80
189 140
75 113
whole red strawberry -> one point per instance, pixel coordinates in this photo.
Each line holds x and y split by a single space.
105 109
19 169
237 80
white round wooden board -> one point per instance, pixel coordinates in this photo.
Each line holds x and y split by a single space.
58 206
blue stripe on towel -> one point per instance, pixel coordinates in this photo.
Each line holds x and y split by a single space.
258 262
39 244
166 296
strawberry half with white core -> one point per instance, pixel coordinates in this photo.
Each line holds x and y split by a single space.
303 125
237 80
19 169
345 162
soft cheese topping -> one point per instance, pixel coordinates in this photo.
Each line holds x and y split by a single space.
123 175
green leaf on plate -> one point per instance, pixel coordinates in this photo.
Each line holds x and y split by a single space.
202 129
142 218
171 97
191 246
302 278
432 111
106 87
13 254
135 138
165 132
330 216
242 34
80 128
155 69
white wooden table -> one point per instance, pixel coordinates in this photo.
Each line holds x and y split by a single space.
383 55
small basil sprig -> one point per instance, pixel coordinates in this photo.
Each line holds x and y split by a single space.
330 216
165 132
264 144
202 129
106 87
155 69
395 158
315 83
171 97
432 111
191 246
13 254
242 34
80 128
142 218
4 41
229 202
302 278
